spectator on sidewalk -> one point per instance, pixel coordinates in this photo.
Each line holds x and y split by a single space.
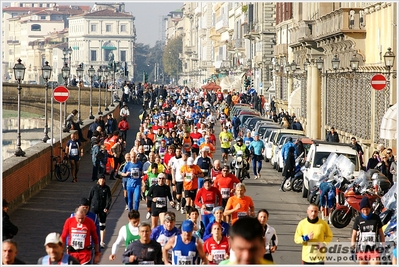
332 136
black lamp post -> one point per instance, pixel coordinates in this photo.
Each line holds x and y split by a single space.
91 71
79 73
19 73
106 74
319 63
389 58
115 68
100 74
66 71
46 74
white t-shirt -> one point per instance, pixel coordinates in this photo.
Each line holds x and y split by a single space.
177 165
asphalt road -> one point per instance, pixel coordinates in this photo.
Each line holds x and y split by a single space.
47 211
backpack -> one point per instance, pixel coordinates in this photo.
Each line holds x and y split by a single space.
102 157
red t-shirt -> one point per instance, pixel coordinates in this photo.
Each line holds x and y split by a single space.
79 235
212 138
170 125
195 137
226 184
218 250
208 197
167 158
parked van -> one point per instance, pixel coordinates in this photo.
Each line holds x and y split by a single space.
318 153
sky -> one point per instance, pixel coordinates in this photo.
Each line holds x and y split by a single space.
148 16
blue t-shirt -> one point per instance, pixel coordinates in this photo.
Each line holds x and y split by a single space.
247 140
135 170
257 147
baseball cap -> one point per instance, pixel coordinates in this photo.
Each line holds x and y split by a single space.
256 134
187 226
84 202
53 238
190 161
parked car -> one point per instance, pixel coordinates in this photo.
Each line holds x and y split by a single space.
318 153
278 160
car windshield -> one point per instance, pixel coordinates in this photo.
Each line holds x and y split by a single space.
321 157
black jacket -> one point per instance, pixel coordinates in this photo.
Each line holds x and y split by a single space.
9 229
332 137
100 198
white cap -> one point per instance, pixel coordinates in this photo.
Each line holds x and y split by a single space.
190 161
53 238
205 148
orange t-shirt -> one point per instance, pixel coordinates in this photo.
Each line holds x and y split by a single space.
190 182
245 202
151 136
211 148
225 184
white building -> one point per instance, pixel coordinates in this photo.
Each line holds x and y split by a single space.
94 35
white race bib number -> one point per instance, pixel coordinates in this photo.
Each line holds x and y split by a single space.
146 262
225 192
368 239
184 260
135 173
74 152
160 202
78 240
242 215
189 177
218 255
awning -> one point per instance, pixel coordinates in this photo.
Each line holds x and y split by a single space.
75 47
294 100
109 47
388 128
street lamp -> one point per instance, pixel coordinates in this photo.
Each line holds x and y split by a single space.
66 71
319 63
354 62
305 65
19 73
115 68
335 63
106 74
389 58
91 71
79 73
46 74
293 66
100 74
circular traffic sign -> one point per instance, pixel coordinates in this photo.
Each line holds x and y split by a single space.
61 94
378 82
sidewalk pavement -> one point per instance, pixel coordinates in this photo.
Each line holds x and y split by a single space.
47 211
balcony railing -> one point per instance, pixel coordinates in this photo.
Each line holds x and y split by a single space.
222 23
303 31
13 42
343 20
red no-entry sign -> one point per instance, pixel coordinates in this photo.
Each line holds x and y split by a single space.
61 94
378 82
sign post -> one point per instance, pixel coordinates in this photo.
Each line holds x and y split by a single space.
378 82
61 95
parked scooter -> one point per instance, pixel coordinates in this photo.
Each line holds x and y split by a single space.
295 183
343 214
240 166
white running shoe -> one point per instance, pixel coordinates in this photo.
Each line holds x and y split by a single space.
148 216
182 210
178 206
102 244
256 177
259 176
127 208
